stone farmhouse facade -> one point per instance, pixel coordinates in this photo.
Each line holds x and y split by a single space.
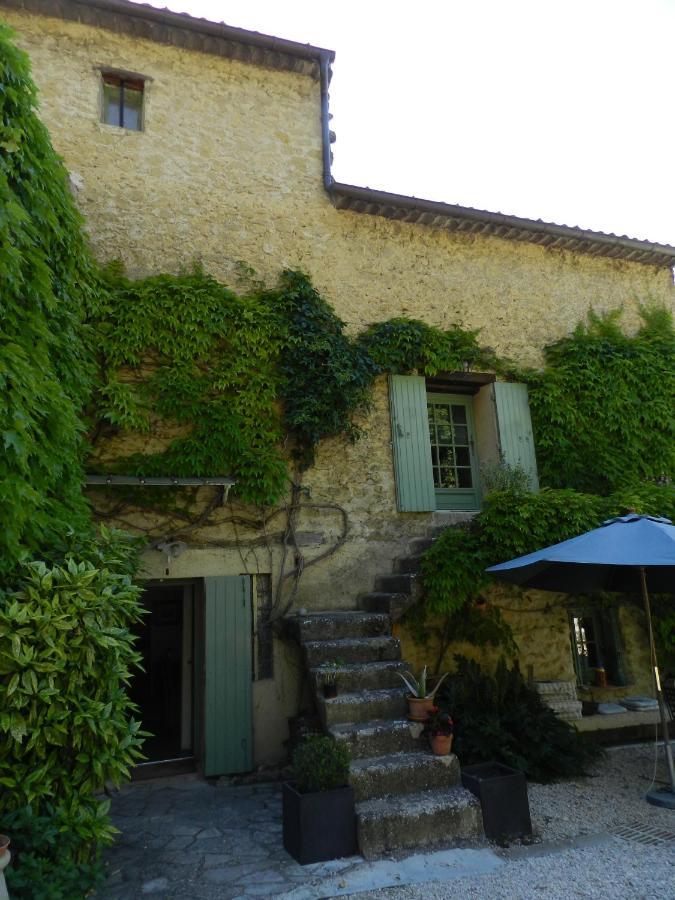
185 139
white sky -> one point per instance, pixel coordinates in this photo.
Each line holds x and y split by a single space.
553 110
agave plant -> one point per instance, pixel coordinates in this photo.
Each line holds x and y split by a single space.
418 686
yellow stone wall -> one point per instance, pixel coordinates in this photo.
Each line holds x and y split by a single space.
228 170
539 622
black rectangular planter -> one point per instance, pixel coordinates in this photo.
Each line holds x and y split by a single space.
319 826
502 792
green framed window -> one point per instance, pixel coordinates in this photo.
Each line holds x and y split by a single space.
596 643
453 456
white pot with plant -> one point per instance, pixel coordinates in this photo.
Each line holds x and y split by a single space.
420 698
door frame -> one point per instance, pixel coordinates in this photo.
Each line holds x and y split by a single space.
195 760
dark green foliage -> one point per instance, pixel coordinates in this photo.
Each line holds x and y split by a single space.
402 345
512 524
46 862
325 377
66 726
499 717
236 372
187 350
47 284
603 409
320 764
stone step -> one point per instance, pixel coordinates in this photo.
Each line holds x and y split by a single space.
363 706
435 531
558 689
442 519
397 584
444 816
407 564
419 545
365 676
379 737
331 625
352 650
395 605
402 773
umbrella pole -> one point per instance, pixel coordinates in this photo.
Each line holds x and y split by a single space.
656 796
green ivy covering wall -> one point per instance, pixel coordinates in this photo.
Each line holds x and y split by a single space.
249 378
603 408
48 285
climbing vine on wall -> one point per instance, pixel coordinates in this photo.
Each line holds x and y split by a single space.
603 408
512 524
245 381
48 284
187 350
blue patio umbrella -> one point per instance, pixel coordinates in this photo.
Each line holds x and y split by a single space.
628 554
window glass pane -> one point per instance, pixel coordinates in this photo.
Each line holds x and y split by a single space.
459 414
111 104
133 108
444 434
448 479
463 458
464 478
446 456
450 449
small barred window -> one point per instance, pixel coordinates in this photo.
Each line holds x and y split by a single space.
123 101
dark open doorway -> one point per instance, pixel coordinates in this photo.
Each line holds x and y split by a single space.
165 691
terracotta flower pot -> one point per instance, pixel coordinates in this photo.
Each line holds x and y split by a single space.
441 744
419 708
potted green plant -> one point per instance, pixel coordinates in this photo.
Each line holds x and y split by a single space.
327 677
439 729
420 698
319 820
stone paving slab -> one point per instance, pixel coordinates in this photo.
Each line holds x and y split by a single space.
189 839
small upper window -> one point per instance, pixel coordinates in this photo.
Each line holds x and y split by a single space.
123 101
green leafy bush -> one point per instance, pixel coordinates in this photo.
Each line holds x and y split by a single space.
38 841
66 722
512 524
320 763
499 717
48 284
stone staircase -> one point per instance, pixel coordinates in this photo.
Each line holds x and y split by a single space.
406 797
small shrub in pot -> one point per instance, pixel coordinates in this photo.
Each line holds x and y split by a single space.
319 821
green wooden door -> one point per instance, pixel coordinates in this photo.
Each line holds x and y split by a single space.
410 443
515 429
453 457
228 728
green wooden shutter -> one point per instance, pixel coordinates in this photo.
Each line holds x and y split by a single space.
228 729
515 429
411 445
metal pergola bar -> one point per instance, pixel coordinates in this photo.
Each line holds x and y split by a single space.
153 481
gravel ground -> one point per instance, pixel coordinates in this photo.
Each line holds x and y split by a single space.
614 872
612 796
618 869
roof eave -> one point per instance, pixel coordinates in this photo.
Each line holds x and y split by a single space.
476 221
